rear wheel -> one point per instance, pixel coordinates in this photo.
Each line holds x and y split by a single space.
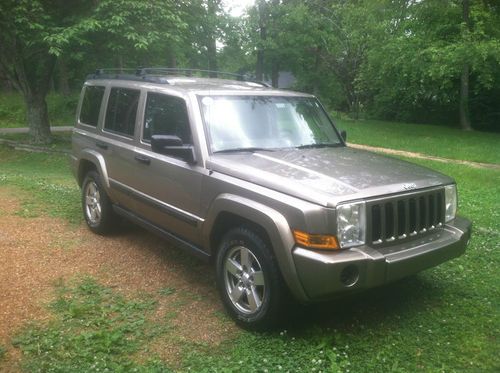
249 280
97 208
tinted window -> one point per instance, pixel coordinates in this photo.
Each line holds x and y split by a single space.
166 115
122 109
91 105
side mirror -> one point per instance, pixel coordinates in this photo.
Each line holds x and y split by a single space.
343 133
173 146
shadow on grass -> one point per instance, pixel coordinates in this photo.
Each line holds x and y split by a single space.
393 302
374 307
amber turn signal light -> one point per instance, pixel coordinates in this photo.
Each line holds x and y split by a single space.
315 241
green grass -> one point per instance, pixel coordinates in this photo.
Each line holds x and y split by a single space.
45 179
444 319
427 139
93 329
61 109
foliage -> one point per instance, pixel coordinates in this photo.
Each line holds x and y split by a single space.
413 67
35 32
398 60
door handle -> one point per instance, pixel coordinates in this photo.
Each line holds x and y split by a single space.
142 159
101 145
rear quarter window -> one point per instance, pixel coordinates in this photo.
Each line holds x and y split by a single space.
91 105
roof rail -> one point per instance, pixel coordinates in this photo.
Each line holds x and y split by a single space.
159 74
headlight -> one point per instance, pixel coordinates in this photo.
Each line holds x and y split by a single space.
450 200
351 224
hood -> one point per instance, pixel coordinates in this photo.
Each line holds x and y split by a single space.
327 176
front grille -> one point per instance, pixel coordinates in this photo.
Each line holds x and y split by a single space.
400 217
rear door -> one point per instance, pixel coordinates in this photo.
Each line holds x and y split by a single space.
117 142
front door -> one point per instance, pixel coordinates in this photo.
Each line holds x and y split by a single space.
168 188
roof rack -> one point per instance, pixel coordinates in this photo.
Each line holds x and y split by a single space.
160 74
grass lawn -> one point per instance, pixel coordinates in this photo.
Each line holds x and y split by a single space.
427 139
444 319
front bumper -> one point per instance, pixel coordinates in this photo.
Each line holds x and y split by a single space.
325 274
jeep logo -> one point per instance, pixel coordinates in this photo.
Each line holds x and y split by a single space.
409 186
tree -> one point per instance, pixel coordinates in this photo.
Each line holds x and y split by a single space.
29 44
464 78
35 32
432 59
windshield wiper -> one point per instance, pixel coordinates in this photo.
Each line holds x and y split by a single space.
319 145
249 149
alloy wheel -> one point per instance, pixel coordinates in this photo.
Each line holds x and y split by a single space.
244 280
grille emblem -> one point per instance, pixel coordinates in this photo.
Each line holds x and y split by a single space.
409 186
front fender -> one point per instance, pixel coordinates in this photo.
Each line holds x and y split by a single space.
273 222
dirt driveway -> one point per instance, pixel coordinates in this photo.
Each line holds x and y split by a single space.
37 252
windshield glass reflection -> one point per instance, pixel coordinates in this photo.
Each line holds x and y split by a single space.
266 122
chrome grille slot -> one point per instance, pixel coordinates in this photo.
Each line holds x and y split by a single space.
399 217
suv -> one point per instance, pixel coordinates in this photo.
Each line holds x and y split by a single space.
260 182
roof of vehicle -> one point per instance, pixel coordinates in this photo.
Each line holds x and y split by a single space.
186 80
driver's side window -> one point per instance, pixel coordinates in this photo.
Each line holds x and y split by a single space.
166 115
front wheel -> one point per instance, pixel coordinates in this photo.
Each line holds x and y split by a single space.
249 280
97 208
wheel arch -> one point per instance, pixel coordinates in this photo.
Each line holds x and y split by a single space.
91 160
229 211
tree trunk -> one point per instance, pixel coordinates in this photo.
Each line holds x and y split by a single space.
464 99
171 59
259 68
275 74
464 79
212 57
211 37
38 119
63 76
317 64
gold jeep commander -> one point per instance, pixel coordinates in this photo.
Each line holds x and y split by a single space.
260 182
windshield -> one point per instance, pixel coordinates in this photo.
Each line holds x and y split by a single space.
266 122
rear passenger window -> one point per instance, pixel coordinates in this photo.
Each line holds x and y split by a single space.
91 105
166 115
122 110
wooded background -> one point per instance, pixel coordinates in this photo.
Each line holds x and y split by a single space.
422 61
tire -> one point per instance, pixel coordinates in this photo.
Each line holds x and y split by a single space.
97 208
249 280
